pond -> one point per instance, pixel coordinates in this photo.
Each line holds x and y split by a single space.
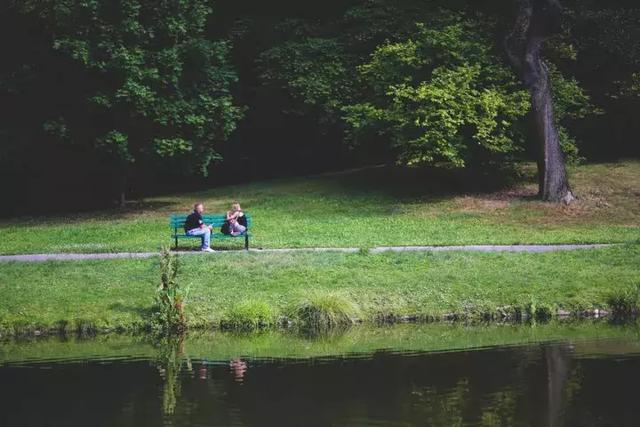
571 374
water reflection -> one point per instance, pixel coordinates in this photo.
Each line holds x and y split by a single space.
169 362
238 368
224 381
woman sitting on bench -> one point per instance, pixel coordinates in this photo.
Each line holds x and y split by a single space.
236 222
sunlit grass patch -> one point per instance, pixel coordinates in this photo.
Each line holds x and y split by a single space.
625 302
364 208
326 310
248 315
256 290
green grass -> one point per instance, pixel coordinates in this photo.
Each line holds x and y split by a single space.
262 288
378 206
322 311
249 314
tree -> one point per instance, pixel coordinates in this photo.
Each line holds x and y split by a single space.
155 87
535 22
416 83
441 96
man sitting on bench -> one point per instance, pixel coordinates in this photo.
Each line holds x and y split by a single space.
195 226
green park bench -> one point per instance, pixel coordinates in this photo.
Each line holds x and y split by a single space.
216 220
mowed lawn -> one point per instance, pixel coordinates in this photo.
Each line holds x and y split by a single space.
365 208
111 294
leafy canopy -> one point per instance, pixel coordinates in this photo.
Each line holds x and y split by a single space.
159 87
440 96
427 80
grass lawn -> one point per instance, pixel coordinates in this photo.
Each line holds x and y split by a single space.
239 286
378 206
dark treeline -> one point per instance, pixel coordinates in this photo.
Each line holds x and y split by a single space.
107 100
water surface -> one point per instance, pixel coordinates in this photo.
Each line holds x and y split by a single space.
583 374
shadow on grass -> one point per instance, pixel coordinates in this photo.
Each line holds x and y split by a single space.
111 214
403 184
422 183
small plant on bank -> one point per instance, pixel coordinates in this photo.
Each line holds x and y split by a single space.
625 303
170 299
537 311
326 311
249 315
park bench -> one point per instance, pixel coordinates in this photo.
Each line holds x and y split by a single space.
216 220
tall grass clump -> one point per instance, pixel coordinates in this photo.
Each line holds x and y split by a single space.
539 311
248 315
625 303
170 299
326 311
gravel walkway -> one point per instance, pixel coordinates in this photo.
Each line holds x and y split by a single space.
379 249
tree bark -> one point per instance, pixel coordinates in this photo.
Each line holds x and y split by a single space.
536 20
123 185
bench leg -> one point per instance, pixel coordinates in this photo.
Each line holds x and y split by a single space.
246 242
176 243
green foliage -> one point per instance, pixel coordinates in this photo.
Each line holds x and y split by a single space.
158 87
434 89
571 103
606 39
625 303
630 89
312 69
249 314
169 359
634 87
170 299
322 311
116 143
537 311
603 34
425 78
441 95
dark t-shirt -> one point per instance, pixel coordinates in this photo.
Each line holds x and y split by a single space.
193 221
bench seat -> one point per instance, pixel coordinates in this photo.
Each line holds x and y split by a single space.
176 223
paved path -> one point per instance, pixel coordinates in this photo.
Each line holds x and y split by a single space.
379 249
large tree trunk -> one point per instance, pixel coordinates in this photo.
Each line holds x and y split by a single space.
536 20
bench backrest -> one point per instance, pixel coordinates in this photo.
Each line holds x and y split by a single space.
177 221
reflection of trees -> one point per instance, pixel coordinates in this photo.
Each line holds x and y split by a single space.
530 385
443 409
169 362
549 392
533 386
562 381
500 410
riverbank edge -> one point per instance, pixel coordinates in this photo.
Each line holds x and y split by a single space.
501 315
321 291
